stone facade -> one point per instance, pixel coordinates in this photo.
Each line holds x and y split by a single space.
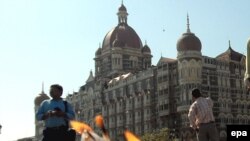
133 94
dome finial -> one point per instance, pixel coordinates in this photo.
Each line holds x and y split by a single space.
188 29
229 43
145 42
91 73
122 14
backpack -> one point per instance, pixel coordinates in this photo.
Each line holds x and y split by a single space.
71 133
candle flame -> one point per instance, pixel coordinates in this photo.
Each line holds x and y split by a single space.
99 121
80 127
87 133
130 136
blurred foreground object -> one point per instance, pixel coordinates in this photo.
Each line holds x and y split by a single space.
87 133
80 127
100 123
130 136
247 73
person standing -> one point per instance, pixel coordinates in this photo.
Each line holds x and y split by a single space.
201 117
55 113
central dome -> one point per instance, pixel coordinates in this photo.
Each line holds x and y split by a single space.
122 35
126 36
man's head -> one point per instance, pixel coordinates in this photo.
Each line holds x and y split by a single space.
196 93
56 91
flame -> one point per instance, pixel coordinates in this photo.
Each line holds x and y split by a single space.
99 121
87 133
130 136
80 127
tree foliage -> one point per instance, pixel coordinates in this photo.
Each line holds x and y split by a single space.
160 135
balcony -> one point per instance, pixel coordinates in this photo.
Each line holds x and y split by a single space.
111 111
129 121
163 112
183 108
120 123
146 103
137 119
147 118
111 124
119 110
138 105
129 107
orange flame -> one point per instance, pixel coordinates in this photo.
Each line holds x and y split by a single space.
130 136
80 126
99 121
88 133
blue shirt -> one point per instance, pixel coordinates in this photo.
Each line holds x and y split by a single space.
54 121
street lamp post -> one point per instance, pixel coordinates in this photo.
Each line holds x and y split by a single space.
0 128
79 115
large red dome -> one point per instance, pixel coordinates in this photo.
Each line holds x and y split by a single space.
123 33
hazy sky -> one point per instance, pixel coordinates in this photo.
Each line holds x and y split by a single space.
54 41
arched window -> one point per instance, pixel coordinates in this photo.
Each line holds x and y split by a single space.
230 118
222 117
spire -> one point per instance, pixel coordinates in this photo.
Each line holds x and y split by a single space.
229 43
188 29
91 77
145 42
99 44
122 2
42 88
91 73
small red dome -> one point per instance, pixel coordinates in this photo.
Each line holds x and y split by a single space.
40 98
230 54
146 49
98 51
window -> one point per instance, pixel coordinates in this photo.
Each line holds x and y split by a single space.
119 61
232 83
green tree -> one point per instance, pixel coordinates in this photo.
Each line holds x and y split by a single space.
163 134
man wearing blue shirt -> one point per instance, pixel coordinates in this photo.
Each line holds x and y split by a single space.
56 113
